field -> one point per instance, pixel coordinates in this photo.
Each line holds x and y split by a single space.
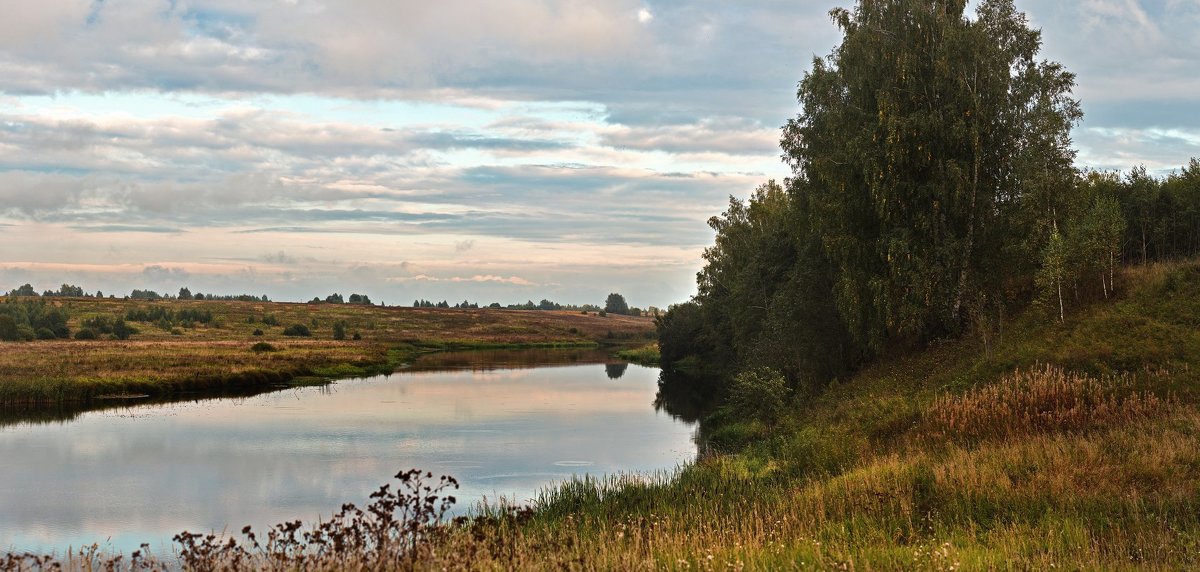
168 359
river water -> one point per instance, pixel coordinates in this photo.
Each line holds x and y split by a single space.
505 424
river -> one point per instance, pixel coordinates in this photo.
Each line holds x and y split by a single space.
505 424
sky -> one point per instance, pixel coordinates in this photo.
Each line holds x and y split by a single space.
507 150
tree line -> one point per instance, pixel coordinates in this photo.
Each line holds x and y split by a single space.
933 193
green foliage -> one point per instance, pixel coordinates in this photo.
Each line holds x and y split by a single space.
121 330
24 320
339 330
262 347
258 332
24 290
615 304
297 330
761 394
86 334
926 143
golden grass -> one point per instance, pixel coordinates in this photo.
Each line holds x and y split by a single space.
1041 400
218 354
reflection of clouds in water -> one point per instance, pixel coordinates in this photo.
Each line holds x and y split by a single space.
300 454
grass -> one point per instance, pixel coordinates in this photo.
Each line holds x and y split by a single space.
1068 446
645 355
217 356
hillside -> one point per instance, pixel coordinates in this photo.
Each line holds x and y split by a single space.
1070 446
177 354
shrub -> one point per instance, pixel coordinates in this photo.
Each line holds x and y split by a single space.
258 332
760 393
86 334
357 336
602 314
176 332
122 331
45 334
261 347
297 330
339 330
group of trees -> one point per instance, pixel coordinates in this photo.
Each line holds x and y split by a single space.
22 320
186 294
933 188
336 298
66 290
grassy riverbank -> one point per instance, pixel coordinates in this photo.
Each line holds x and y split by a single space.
1073 446
165 359
1069 446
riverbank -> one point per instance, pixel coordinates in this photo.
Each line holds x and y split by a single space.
167 358
1068 446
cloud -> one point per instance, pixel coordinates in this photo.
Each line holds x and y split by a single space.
279 258
463 246
515 280
161 274
730 136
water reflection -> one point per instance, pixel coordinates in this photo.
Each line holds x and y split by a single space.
142 473
615 370
686 397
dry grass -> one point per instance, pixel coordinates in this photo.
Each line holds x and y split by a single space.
1041 400
217 355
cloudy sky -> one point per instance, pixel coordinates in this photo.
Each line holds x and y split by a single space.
493 151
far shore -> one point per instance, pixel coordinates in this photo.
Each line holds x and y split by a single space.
162 360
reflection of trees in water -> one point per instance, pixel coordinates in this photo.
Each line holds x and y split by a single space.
615 370
686 397
45 414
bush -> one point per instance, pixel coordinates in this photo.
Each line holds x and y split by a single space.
760 393
297 330
357 336
602 314
261 347
122 331
339 330
258 332
45 334
86 334
176 332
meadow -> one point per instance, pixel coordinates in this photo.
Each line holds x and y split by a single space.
168 358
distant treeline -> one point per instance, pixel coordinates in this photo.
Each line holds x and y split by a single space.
72 291
615 304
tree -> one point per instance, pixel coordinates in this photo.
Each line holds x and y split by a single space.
926 142
615 304
1054 271
121 330
185 294
339 330
24 290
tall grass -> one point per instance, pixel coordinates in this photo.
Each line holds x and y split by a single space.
1042 400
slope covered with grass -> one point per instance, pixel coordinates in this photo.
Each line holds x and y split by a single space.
1071 445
